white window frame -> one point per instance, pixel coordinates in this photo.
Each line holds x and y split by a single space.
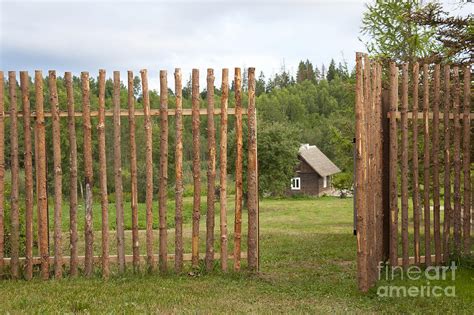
296 183
325 181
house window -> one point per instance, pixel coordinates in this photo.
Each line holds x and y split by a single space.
296 183
325 181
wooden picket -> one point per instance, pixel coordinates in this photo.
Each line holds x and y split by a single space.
448 228
95 121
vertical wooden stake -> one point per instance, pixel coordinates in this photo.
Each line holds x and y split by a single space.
28 162
41 177
467 161
426 164
223 167
179 190
196 168
252 175
2 173
379 160
447 164
362 253
416 185
88 228
393 165
163 189
404 166
133 173
211 171
15 219
435 151
73 174
457 163
58 175
238 169
104 201
118 174
149 171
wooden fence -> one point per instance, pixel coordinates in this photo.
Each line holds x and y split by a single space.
35 169
413 169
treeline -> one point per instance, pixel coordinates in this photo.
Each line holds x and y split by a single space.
315 107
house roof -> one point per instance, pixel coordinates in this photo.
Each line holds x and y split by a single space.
319 162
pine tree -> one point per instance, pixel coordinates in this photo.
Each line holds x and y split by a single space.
332 72
301 73
260 84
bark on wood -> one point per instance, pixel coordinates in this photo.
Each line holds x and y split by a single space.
238 168
28 164
393 165
72 174
426 165
211 172
252 176
2 174
179 188
223 168
118 173
133 173
88 175
196 168
386 173
457 163
404 165
379 164
41 177
58 176
447 164
467 162
104 197
149 171
416 185
15 217
360 187
435 150
163 175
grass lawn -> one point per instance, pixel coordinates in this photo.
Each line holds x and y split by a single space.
307 265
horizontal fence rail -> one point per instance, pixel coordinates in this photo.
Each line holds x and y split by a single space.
425 216
33 219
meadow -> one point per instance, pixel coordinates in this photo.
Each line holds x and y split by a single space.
308 264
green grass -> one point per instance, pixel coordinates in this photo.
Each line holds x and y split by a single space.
308 264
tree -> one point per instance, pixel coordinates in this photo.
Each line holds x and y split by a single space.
260 84
391 35
305 72
332 72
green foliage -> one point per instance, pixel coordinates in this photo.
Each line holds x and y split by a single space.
391 34
343 182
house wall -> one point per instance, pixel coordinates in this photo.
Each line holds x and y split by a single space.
311 183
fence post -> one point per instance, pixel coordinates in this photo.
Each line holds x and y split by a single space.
223 168
163 172
238 169
435 150
179 190
457 163
103 176
211 171
447 164
393 164
416 186
467 161
196 168
404 166
28 163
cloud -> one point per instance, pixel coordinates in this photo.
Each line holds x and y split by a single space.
73 36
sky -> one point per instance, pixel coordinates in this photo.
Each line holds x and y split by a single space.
164 35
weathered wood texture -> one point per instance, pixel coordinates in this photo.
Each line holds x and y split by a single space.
223 168
104 197
435 157
28 165
58 174
196 168
179 187
404 164
238 168
163 172
133 172
457 163
415 167
426 165
149 171
393 83
467 162
211 172
447 163
40 160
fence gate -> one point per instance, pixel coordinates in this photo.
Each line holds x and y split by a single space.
413 175
25 195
